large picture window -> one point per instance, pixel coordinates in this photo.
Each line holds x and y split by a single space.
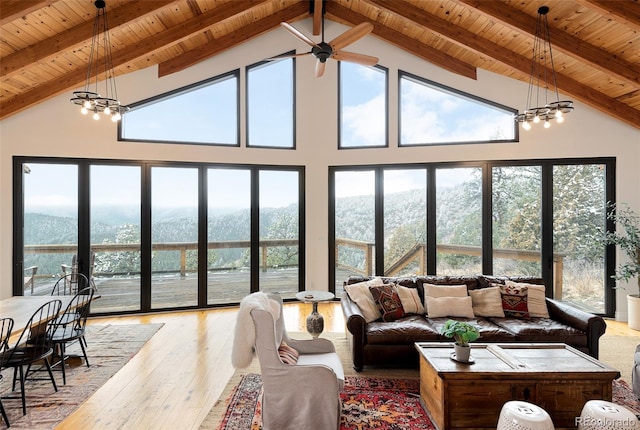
206 112
363 105
540 218
432 114
271 104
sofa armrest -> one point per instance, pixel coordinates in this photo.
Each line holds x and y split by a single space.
593 325
356 324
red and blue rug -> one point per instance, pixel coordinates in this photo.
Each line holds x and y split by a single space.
367 403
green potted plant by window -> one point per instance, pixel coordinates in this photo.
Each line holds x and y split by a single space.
627 237
463 333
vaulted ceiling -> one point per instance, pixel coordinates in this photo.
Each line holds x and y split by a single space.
45 44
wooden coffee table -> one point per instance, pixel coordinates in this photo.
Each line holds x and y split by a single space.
556 377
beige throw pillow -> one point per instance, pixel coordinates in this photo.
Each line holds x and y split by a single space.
410 300
535 298
450 307
433 290
487 302
362 297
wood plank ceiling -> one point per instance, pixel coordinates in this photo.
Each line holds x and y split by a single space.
44 44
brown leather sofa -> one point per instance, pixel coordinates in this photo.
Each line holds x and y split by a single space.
382 343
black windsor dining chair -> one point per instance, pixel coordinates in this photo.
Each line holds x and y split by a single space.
33 345
70 327
6 325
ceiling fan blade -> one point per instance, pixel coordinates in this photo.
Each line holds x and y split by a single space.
352 57
352 35
320 65
281 56
298 34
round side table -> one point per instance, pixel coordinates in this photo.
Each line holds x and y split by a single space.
315 321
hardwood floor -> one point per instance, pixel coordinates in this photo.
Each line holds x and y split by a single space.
176 378
178 375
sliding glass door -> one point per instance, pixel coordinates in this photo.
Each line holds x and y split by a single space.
49 224
158 236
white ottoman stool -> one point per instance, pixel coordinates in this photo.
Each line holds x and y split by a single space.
518 415
603 415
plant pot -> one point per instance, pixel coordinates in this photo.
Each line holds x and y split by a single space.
633 311
463 352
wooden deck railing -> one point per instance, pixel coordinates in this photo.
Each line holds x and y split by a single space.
183 247
419 251
367 248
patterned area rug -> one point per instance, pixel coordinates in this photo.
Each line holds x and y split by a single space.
110 347
367 403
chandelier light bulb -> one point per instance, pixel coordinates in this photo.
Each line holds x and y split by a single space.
116 117
526 125
547 124
96 116
559 119
107 111
536 119
84 110
86 104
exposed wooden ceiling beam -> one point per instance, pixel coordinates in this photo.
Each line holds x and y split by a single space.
415 47
15 9
41 51
223 43
484 46
562 41
142 49
318 11
623 11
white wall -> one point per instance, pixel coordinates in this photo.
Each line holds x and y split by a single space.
55 128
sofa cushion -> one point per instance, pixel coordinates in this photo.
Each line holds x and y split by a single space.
487 302
489 332
410 299
449 306
536 302
388 301
411 328
514 301
542 330
360 294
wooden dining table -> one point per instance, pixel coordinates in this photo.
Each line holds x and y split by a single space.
22 308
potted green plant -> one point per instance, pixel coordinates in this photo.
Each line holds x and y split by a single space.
627 237
463 333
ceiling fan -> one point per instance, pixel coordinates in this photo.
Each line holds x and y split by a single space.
333 49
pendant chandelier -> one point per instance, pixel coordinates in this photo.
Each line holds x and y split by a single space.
542 81
100 61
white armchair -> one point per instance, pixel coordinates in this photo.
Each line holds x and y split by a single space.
304 395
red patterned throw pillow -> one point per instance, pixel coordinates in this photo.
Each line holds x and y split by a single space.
514 301
388 301
287 354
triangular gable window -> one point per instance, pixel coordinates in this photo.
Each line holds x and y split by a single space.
206 112
433 114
